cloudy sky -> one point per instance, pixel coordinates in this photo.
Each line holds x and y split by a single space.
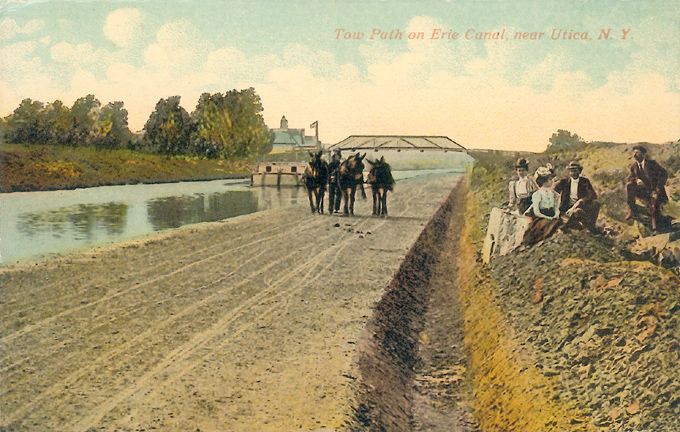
503 94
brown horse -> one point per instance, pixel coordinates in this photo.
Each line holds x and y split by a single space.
316 178
381 181
350 175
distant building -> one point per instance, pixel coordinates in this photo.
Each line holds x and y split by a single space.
287 139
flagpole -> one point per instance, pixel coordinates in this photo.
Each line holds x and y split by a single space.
315 125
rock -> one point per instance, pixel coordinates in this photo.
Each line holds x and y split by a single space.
654 243
597 283
615 413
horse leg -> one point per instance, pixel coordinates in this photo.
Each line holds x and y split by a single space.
384 202
319 200
375 201
352 195
363 192
345 198
316 200
311 200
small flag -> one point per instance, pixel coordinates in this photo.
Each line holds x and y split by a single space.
314 125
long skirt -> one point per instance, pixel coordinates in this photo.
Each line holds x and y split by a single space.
540 228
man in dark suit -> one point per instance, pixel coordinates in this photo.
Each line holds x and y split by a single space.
578 203
646 181
334 193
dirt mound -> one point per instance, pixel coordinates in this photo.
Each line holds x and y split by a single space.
605 326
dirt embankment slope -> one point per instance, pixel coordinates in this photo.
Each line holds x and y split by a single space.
246 324
573 333
412 365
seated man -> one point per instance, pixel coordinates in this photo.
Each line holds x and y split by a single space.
647 181
577 199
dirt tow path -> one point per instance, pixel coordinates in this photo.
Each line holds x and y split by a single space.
246 324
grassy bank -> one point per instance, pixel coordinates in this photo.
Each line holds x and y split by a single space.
570 334
510 392
36 167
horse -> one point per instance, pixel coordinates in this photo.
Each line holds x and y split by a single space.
351 174
316 178
381 181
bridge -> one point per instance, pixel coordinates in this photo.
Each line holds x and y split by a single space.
399 143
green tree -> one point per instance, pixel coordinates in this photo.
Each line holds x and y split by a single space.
248 135
24 125
111 127
3 129
85 111
56 125
169 127
212 123
563 140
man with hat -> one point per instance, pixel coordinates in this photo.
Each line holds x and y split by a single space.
578 203
647 181
334 194
520 190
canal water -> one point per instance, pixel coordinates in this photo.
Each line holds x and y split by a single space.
33 224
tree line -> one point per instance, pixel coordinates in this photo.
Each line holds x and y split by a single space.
223 125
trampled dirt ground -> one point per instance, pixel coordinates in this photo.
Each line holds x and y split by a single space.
242 325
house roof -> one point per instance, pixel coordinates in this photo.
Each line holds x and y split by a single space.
387 142
288 137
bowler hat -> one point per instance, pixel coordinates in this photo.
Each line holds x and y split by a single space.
574 165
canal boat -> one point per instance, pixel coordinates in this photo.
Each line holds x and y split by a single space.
278 174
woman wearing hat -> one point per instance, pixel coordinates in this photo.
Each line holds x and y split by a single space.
577 198
520 190
544 210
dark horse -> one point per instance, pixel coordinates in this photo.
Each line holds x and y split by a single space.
351 175
316 178
381 181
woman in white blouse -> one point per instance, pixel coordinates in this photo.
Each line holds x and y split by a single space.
520 190
545 202
544 210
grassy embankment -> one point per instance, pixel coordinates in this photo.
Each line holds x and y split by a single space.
568 335
510 392
38 167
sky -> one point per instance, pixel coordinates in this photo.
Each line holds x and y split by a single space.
316 60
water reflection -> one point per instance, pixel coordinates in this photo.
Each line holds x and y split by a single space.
271 197
36 223
83 220
175 211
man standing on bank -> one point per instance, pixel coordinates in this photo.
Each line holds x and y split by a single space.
646 181
578 203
